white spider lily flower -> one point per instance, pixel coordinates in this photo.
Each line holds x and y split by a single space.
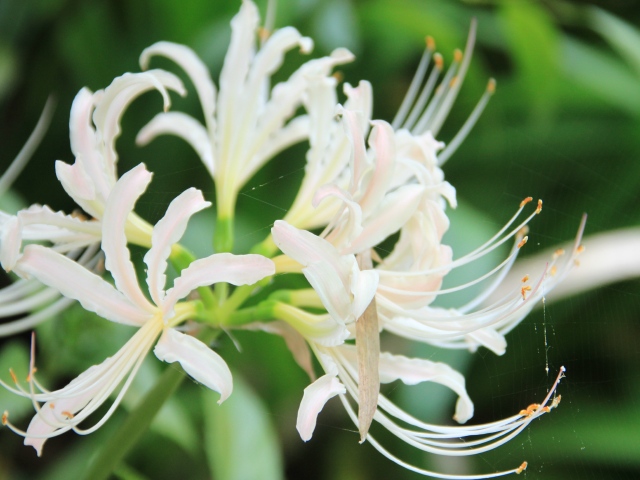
246 122
94 127
341 378
67 408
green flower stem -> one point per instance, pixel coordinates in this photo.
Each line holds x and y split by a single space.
223 234
260 313
181 258
304 297
237 298
136 424
266 248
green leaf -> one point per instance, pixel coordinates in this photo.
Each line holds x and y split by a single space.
240 440
15 356
622 36
533 41
603 75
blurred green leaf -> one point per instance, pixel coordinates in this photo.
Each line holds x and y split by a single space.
240 441
533 43
622 36
602 74
335 25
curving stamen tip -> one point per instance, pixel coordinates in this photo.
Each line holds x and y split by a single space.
67 414
562 370
521 468
525 201
525 279
530 410
263 34
457 55
438 60
491 86
556 401
523 242
539 207
5 417
430 42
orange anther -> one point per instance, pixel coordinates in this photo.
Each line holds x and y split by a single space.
556 401
67 414
530 410
453 82
523 231
553 271
491 86
52 406
338 75
580 249
525 201
5 417
524 290
576 262
457 55
263 34
439 61
525 278
431 43
539 207
521 468
13 376
523 242
558 253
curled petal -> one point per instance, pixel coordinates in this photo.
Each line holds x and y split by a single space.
74 281
314 399
169 230
220 267
114 239
183 126
199 361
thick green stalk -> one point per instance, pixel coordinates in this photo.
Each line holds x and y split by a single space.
136 424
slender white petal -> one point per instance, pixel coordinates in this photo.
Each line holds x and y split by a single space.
168 231
114 239
193 67
183 126
220 267
74 281
313 401
199 361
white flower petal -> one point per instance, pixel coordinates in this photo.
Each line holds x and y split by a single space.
193 67
199 361
120 204
314 399
382 144
169 230
113 101
220 267
74 281
363 288
183 126
10 242
331 289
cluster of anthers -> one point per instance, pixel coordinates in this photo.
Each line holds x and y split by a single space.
365 181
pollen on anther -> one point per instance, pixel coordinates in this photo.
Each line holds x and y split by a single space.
52 406
5 417
491 86
438 60
13 376
67 414
521 468
553 271
524 290
558 253
431 43
539 207
453 82
580 249
525 201
338 75
525 279
556 401
523 242
457 55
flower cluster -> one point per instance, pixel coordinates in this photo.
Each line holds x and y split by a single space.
366 181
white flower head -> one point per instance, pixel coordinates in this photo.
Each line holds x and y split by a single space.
67 408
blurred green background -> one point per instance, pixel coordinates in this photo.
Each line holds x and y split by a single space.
563 126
